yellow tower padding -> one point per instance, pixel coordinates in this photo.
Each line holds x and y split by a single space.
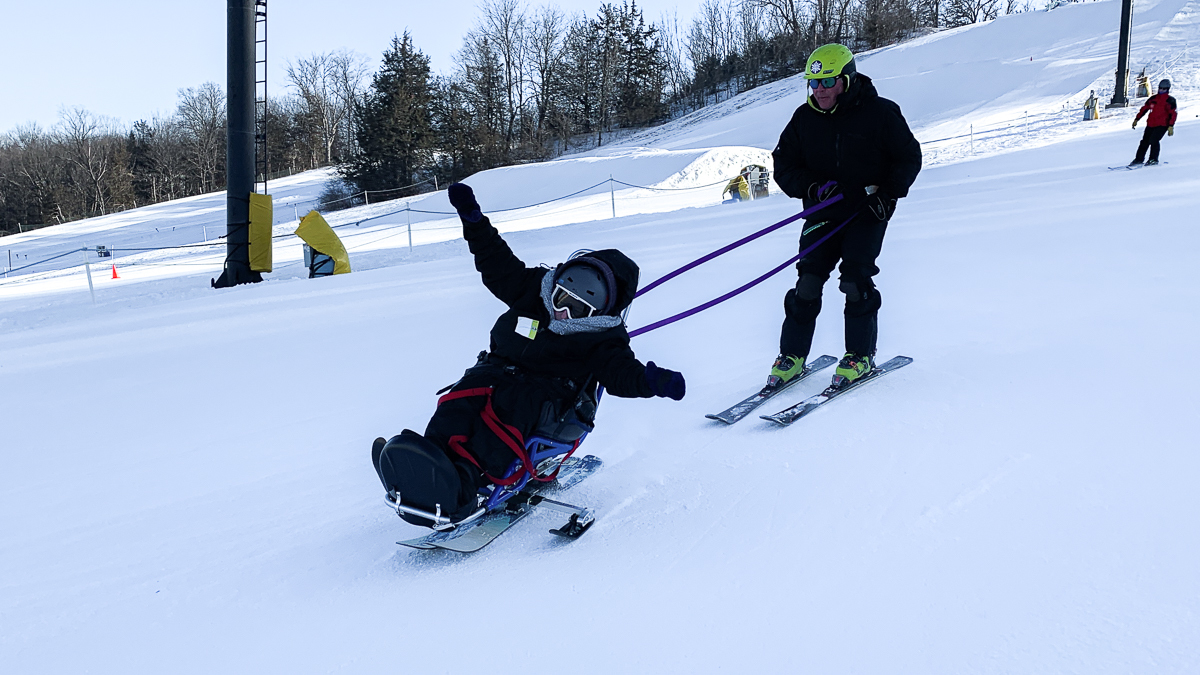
316 233
261 220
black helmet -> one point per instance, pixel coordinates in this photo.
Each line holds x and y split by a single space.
1165 84
584 287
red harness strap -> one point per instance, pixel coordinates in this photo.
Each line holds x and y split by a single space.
508 434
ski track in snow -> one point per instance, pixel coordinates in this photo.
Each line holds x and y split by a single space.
1016 500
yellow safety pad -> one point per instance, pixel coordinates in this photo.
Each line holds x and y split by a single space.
316 233
740 185
261 219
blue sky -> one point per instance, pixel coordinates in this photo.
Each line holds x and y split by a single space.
128 58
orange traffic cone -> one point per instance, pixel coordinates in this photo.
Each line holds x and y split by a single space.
115 271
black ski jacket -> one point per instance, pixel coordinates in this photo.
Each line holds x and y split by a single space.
579 356
863 141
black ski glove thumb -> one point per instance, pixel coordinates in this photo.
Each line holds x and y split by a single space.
665 383
881 205
462 198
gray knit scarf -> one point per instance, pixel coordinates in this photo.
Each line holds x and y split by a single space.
588 324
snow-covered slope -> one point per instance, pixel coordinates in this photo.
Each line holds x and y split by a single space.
185 485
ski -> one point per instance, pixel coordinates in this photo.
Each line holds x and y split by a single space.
744 408
789 415
1131 167
479 533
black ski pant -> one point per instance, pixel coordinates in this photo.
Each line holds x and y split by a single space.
1150 139
857 245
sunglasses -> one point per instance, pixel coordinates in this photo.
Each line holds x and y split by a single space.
827 82
565 301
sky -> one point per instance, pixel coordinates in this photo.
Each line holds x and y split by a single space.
128 59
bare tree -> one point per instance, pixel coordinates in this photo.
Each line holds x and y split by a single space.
966 12
350 70
201 118
544 44
312 81
88 145
31 175
503 23
790 13
677 66
710 43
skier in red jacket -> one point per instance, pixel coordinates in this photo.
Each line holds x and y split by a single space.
1161 121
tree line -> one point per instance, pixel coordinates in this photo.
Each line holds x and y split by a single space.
528 84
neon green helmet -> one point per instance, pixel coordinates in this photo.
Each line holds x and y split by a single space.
830 60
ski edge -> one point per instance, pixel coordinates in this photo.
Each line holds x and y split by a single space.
728 417
790 415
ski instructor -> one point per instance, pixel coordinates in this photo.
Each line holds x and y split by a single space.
561 333
847 140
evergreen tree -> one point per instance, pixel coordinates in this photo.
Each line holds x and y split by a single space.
639 99
395 124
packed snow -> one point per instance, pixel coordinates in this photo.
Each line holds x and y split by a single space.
187 488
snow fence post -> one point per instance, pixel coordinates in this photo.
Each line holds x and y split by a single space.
87 267
612 195
408 221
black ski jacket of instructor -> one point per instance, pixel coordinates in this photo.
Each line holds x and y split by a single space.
864 140
605 354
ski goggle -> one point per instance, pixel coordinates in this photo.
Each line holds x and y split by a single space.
827 82
565 301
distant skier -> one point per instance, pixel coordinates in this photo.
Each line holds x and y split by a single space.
561 334
845 133
1160 122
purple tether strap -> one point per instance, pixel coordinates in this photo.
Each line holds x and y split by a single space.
737 291
745 240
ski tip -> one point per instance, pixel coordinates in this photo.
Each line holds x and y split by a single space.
771 419
717 418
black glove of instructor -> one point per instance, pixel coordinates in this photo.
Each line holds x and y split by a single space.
881 205
665 383
462 198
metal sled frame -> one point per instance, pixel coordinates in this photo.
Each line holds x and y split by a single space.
494 497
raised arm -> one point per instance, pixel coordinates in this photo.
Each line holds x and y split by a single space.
503 272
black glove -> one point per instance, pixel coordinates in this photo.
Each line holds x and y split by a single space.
881 205
462 198
665 383
819 192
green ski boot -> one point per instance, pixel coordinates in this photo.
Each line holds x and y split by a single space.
784 369
852 367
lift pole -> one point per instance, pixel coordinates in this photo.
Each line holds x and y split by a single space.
1121 90
239 147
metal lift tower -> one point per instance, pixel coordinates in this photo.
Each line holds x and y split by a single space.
1121 90
241 67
